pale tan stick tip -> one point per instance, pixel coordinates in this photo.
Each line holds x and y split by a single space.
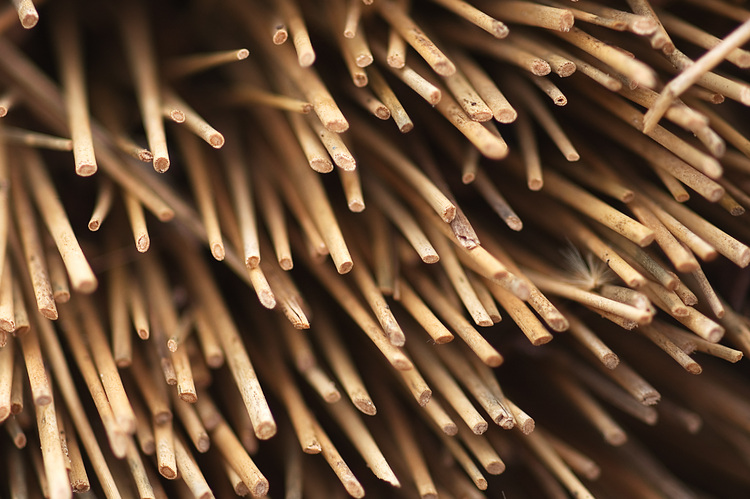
694 368
161 165
610 360
540 68
406 127
495 467
431 258
514 223
3 111
306 59
445 68
252 262
321 165
189 397
87 286
337 126
345 267
356 206
8 326
402 364
541 341
448 214
143 334
218 252
566 69
143 244
29 20
167 472
573 156
506 116
260 489
265 430
85 169
94 225
216 140
535 184
496 150
286 263
165 215
493 360
242 54
177 116
479 428
145 156
267 299
365 406
616 438
364 60
49 313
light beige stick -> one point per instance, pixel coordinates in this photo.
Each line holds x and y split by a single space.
81 275
7 356
298 29
205 288
414 80
334 144
32 249
105 364
690 76
457 276
186 65
634 69
72 74
368 101
231 449
476 17
246 94
543 116
403 220
166 460
316 154
52 452
190 472
400 21
534 14
103 204
193 121
139 49
195 161
386 94
351 424
7 305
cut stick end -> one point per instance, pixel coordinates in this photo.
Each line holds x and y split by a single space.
364 60
535 184
365 406
216 140
610 360
356 206
493 360
286 263
406 127
252 262
143 243
499 29
337 125
566 69
306 58
94 225
445 67
145 156
345 267
321 165
161 165
242 54
3 111
217 251
189 397
260 489
265 430
86 169
50 312
495 467
29 20
168 472
693 368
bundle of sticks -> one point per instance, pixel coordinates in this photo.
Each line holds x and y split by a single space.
532 285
